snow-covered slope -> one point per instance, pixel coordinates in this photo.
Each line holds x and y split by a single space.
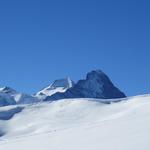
60 85
77 124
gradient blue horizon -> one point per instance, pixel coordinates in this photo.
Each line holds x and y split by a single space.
41 41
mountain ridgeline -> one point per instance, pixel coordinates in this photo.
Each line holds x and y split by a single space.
96 85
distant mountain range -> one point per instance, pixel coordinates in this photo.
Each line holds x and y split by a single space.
96 85
9 96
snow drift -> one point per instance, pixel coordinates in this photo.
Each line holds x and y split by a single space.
83 124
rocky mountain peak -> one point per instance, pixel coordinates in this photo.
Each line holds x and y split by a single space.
96 85
7 90
65 83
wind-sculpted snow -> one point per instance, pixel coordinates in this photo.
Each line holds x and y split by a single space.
79 124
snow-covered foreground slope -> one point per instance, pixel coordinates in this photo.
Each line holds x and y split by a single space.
77 124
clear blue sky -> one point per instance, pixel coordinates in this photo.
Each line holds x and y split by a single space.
43 40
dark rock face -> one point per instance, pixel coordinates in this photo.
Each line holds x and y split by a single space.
96 85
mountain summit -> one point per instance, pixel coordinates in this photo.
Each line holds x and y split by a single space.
96 85
7 90
60 85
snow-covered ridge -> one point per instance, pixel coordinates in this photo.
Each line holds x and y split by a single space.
60 85
9 96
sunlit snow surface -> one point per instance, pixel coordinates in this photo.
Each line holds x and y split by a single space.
77 124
